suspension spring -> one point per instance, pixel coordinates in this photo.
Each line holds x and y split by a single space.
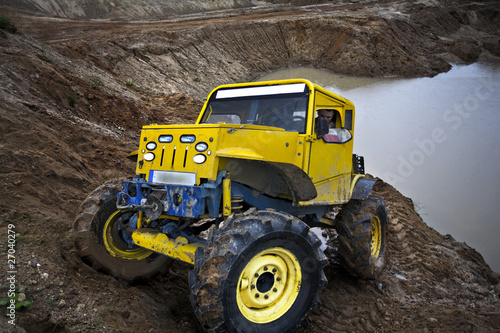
237 205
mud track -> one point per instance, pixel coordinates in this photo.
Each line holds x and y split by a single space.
74 94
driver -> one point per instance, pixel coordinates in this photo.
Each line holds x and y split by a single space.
329 115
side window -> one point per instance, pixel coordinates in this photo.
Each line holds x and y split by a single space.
331 115
332 119
348 120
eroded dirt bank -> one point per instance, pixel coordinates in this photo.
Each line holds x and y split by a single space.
74 94
98 9
192 54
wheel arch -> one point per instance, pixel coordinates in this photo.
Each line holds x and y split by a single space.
362 187
272 178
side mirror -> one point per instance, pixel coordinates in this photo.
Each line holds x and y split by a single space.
321 127
337 135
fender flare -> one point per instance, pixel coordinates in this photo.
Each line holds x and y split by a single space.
300 184
362 187
272 178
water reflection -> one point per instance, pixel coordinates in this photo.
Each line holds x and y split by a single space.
436 140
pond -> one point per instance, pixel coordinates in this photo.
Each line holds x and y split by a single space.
437 140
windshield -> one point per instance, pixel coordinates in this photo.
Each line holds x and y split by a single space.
283 106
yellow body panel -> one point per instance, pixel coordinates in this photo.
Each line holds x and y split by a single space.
178 156
330 169
250 142
265 145
332 191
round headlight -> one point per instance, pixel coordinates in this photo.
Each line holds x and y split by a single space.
149 157
199 158
151 145
201 147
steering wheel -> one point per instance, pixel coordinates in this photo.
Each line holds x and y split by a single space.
298 123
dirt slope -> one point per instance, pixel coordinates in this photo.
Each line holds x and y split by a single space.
192 54
98 9
74 94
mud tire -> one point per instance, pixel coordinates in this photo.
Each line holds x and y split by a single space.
222 265
362 228
88 228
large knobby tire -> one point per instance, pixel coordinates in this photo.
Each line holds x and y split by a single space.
103 246
260 272
362 228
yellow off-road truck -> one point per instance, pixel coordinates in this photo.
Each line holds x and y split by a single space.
235 195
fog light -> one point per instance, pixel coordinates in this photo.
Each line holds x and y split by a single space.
199 158
151 145
201 147
149 157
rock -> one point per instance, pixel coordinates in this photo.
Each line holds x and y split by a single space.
21 297
400 277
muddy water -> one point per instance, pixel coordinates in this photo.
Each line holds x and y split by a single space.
437 140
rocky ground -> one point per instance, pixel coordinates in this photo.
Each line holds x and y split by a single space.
74 94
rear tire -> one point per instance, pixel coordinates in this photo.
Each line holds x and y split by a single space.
260 272
103 246
362 228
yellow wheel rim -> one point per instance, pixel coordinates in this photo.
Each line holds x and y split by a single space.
376 243
269 285
115 244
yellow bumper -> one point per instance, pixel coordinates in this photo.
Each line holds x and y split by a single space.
178 248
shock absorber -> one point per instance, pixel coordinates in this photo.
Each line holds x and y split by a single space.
226 196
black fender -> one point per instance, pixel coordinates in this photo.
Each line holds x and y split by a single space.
273 178
362 188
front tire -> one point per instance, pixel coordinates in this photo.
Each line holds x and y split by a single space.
362 228
104 245
260 272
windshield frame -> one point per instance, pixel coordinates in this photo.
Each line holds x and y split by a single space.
283 105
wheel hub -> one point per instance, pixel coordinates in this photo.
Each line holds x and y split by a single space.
269 285
376 241
115 239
